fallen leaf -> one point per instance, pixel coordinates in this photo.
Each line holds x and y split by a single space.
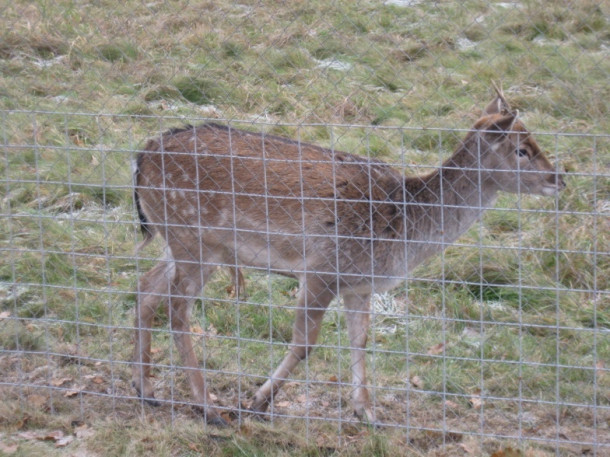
63 442
22 422
417 382
197 329
98 380
37 400
436 349
507 452
475 400
213 397
60 381
55 435
333 378
283 404
83 431
302 398
8 449
469 447
28 435
73 392
230 290
5 314
227 416
451 404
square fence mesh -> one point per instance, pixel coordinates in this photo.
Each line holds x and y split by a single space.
340 190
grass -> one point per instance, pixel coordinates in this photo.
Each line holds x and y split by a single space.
520 307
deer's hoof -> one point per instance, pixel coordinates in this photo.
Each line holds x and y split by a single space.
259 404
367 417
148 399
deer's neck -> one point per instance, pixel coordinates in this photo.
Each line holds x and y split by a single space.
444 204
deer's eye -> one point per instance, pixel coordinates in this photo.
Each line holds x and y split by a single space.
521 152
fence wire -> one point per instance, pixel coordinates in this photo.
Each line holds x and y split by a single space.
500 338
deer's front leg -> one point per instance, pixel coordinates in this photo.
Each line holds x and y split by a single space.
358 318
313 302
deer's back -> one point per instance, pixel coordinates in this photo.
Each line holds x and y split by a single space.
248 189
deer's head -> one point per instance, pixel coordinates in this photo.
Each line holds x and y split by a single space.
509 154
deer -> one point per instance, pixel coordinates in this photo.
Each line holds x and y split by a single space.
343 225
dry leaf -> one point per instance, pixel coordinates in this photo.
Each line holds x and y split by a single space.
230 290
8 449
60 381
213 397
451 404
98 380
29 435
5 314
283 404
475 400
37 400
226 415
63 442
52 436
507 452
436 349
417 382
197 329
469 448
73 392
22 422
333 378
302 398
83 431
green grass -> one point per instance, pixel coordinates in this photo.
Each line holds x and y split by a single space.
521 306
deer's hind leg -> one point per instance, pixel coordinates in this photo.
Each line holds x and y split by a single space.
186 286
153 289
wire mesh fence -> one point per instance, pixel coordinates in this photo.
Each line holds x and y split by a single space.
499 338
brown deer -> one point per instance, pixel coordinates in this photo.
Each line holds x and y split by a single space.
343 225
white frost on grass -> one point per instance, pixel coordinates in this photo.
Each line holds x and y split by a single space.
465 43
507 5
403 3
334 64
46 63
11 293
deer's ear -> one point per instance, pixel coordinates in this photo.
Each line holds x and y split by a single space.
505 123
495 107
499 105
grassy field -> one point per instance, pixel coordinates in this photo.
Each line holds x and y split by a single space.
502 344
